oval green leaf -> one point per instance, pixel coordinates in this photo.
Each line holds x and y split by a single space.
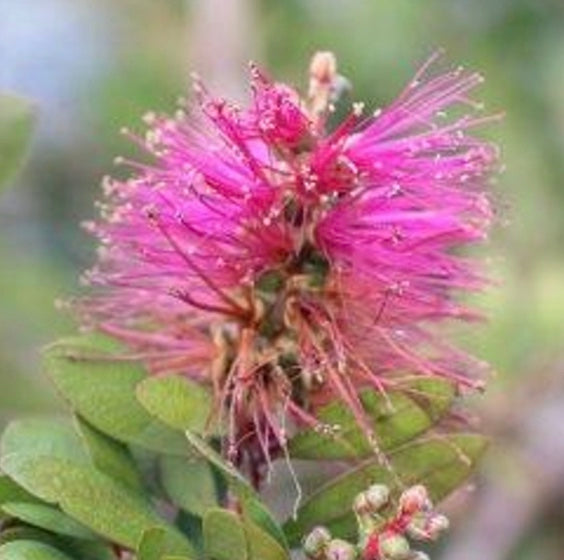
157 543
89 496
30 550
189 483
48 518
262 546
75 548
100 386
44 436
224 535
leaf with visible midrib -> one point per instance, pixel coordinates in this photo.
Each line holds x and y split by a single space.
396 418
441 464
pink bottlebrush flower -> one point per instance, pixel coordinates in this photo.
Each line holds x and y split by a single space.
285 265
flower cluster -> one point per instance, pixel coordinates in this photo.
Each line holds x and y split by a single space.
382 537
286 265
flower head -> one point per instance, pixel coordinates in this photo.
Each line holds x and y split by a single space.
286 265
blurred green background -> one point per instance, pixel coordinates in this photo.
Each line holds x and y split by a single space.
92 66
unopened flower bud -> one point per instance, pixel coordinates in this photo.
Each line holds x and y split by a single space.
377 497
340 550
436 524
315 544
360 504
366 507
322 77
394 547
427 527
417 528
323 67
414 499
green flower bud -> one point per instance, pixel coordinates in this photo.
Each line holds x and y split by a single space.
340 550
377 496
316 542
394 547
360 504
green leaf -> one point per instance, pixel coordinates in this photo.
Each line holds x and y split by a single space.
26 533
87 550
110 456
75 548
189 483
250 502
156 543
227 536
100 386
191 526
224 536
259 514
43 436
17 119
432 394
11 492
235 479
177 401
262 546
87 495
397 418
30 550
441 464
48 518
